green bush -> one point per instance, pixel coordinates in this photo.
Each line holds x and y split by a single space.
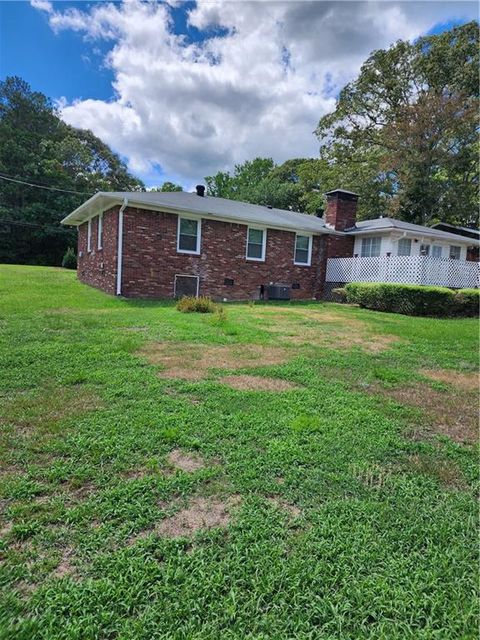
413 300
191 304
468 301
69 259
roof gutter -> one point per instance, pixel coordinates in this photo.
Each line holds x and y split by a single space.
120 247
70 219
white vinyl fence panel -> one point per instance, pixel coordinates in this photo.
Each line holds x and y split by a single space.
456 274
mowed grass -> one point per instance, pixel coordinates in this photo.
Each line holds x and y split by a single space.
289 471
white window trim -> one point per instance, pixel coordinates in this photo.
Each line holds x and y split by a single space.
404 255
89 236
371 238
184 275
264 244
199 235
100 232
309 259
454 246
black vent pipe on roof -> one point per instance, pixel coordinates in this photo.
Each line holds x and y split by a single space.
200 190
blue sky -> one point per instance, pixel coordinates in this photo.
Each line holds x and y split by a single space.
185 90
57 64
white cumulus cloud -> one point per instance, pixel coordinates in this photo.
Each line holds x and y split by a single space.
254 82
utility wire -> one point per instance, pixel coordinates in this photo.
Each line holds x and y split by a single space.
31 225
40 186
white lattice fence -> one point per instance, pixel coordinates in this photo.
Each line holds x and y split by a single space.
425 270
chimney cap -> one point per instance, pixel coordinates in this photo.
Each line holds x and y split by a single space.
200 189
340 192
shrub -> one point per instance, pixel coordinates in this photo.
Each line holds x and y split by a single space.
191 304
468 301
413 300
339 294
69 259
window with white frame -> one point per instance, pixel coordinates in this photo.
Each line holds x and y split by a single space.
188 235
100 232
371 247
454 252
89 235
256 241
436 251
404 247
303 250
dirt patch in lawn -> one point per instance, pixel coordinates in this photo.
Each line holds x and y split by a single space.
177 395
343 340
185 461
291 509
64 567
459 379
43 409
257 383
450 414
332 330
201 514
446 472
193 361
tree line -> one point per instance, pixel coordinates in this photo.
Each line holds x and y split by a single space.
403 135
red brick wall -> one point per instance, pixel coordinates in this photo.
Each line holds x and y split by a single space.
340 246
150 259
98 268
341 210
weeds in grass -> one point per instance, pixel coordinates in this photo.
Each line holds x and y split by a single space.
200 304
101 539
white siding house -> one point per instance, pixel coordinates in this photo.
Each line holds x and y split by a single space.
390 250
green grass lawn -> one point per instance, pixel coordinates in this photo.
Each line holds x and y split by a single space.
287 471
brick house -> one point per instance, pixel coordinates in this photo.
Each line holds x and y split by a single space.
164 245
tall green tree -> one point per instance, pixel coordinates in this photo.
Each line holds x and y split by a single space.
255 181
168 187
37 147
404 134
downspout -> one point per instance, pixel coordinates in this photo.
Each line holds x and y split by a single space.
120 247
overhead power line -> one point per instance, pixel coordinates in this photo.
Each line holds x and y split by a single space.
31 225
41 186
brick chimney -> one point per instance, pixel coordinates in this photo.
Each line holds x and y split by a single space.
341 210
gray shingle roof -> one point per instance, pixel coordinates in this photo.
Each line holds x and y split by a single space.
386 224
207 206
244 213
456 230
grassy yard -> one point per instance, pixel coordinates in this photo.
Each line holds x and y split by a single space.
297 471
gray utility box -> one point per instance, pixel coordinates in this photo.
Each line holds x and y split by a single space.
278 291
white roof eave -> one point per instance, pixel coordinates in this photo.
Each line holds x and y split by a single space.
101 201
438 235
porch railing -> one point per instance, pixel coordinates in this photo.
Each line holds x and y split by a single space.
425 270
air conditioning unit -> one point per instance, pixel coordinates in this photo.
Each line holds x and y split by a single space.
278 291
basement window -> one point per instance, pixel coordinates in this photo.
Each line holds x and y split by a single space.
256 242
188 235
371 247
89 236
303 250
100 232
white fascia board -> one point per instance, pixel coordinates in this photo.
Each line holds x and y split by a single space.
69 220
409 233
